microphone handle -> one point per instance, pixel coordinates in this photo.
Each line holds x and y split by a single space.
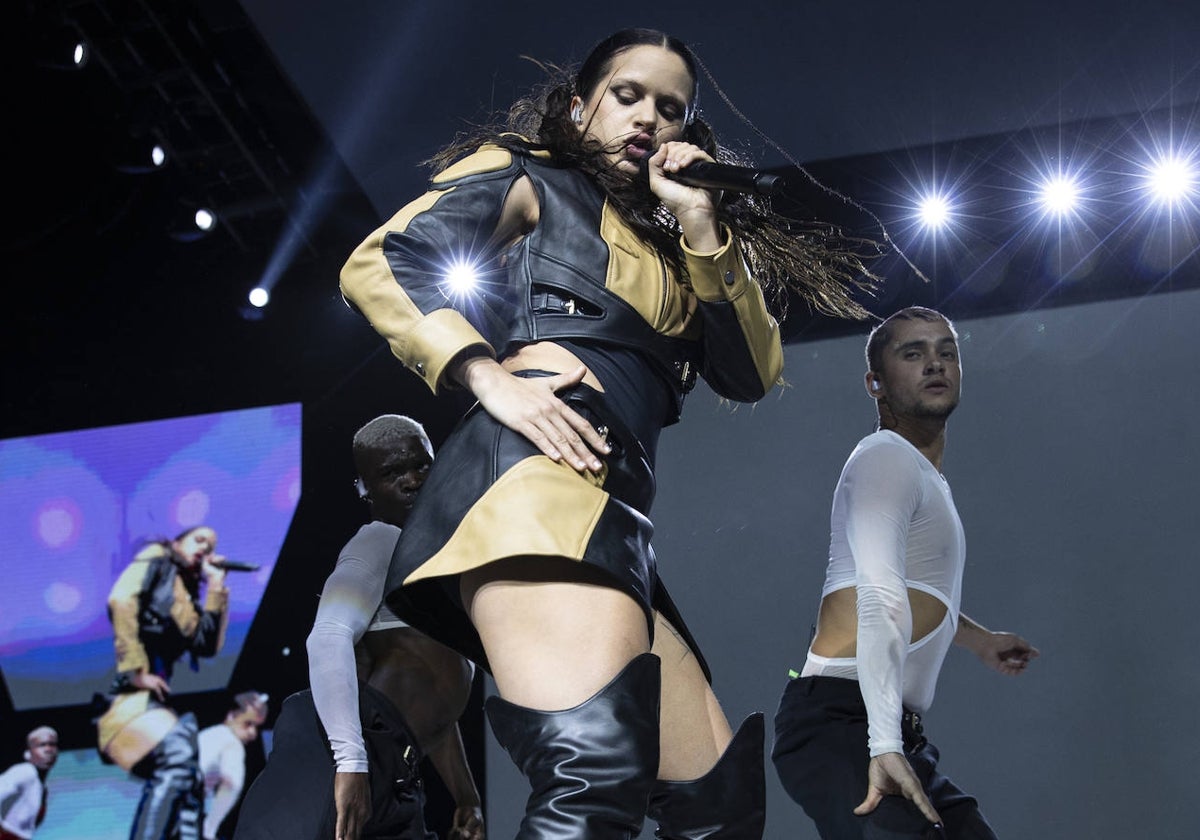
721 176
235 566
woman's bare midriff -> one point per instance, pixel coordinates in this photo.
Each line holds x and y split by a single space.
546 355
837 623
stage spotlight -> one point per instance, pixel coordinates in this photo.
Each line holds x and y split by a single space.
191 222
205 219
141 155
64 49
934 211
259 297
1171 179
1059 195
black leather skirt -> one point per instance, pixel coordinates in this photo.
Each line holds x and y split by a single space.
491 494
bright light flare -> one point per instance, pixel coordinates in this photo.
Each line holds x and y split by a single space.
1171 179
462 277
934 211
259 297
1060 195
205 219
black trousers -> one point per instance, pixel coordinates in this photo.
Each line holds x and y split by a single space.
172 803
292 798
821 756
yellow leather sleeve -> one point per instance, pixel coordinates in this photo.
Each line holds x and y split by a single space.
216 599
393 278
123 604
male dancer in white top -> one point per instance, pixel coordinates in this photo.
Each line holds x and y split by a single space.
23 786
889 611
222 749
382 693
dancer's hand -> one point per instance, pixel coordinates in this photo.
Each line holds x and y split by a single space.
890 774
352 797
468 823
153 683
1006 653
532 408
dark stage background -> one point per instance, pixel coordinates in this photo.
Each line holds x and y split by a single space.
1072 459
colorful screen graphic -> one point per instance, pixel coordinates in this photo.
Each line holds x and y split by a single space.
90 800
77 506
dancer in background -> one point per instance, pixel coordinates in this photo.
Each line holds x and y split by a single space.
223 756
383 695
23 793
850 743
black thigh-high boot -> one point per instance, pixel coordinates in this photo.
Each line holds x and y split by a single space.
728 802
591 767
172 804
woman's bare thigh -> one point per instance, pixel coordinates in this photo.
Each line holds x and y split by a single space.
693 730
555 631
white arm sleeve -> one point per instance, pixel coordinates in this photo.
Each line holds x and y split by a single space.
881 490
10 785
349 600
231 767
13 783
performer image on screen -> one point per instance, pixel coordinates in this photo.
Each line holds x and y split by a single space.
23 794
602 286
383 695
850 746
158 617
223 756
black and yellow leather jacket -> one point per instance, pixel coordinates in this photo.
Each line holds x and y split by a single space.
580 274
157 616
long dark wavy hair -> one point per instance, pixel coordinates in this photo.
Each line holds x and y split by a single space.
168 546
814 260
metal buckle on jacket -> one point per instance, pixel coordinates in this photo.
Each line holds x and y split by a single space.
687 376
547 302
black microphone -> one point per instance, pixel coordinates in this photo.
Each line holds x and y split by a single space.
726 176
235 566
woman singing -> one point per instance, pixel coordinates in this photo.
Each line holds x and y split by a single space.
158 618
603 287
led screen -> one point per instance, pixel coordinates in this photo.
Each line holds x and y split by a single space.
77 506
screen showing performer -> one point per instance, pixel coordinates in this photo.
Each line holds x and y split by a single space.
171 602
79 505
